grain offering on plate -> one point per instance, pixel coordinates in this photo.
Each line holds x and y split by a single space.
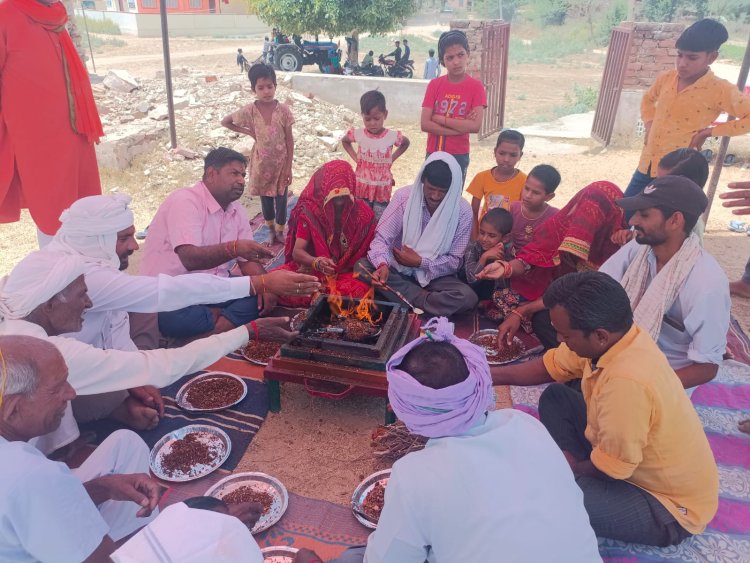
495 354
261 351
247 493
214 392
372 506
191 454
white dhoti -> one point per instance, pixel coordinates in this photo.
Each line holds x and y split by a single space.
123 452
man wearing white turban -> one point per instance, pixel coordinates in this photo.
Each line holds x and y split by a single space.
45 296
485 483
420 241
100 230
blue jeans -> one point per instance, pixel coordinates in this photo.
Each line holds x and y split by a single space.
198 319
463 162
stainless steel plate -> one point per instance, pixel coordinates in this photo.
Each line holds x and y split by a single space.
181 397
218 439
259 482
279 554
254 360
361 492
490 352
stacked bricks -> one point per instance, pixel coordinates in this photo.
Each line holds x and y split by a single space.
652 51
474 30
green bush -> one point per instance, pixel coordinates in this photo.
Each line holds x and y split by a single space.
551 45
106 27
550 12
616 14
98 44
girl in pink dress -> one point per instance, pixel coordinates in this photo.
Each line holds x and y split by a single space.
374 155
269 122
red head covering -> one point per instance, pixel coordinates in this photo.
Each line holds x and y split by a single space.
582 230
315 210
84 117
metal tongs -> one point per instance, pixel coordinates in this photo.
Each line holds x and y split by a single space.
398 294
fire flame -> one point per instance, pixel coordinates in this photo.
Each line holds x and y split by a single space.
363 311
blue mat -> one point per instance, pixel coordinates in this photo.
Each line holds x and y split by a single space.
241 422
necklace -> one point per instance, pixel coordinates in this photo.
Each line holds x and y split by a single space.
533 218
494 177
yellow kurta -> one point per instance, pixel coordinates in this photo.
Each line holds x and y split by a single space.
643 427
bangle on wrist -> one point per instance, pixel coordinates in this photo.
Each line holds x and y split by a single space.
235 248
252 286
255 330
228 249
507 270
263 282
519 315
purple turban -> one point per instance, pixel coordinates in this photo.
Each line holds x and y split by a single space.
450 411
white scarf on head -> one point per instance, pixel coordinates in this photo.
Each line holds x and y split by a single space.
90 226
651 301
437 237
35 280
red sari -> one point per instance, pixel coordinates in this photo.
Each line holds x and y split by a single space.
578 237
48 118
312 219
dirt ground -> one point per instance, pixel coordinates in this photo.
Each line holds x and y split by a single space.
321 448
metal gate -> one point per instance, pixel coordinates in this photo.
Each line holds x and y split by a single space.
609 93
494 75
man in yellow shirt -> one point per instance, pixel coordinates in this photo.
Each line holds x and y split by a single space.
681 105
630 435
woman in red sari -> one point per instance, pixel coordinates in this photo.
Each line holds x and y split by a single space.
576 238
329 231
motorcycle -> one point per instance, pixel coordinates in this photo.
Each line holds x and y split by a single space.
366 70
402 69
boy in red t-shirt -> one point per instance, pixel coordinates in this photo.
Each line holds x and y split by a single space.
453 104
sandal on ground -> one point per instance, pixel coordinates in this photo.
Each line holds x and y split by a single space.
708 154
730 159
737 226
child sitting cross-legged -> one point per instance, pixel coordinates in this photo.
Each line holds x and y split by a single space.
534 208
492 244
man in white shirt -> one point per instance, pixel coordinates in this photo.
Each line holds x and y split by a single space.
47 511
486 482
100 230
50 513
45 296
677 290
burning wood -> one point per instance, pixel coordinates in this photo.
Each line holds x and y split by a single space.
362 311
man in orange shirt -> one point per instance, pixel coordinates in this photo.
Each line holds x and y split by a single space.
630 435
681 105
48 119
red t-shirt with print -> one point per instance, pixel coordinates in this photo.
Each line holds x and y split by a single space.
456 100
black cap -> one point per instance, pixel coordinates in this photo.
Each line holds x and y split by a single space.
705 35
675 192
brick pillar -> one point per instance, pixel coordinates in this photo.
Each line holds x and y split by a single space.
652 51
474 30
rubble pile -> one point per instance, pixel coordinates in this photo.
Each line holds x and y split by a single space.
135 118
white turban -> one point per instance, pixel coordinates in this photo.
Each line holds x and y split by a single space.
35 280
90 226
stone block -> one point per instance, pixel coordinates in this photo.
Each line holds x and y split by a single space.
181 103
120 81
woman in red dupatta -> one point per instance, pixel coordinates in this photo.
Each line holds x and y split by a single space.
576 238
329 231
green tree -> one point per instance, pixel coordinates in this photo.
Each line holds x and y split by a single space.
334 17
662 10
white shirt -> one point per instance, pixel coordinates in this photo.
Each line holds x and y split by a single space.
502 491
114 294
92 370
45 513
191 535
696 325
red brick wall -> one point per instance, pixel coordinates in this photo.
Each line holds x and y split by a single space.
652 51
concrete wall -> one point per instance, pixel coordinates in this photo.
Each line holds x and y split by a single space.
403 96
183 25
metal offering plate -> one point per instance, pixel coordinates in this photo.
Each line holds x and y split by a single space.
361 492
181 397
493 355
258 482
299 319
245 352
216 438
279 554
